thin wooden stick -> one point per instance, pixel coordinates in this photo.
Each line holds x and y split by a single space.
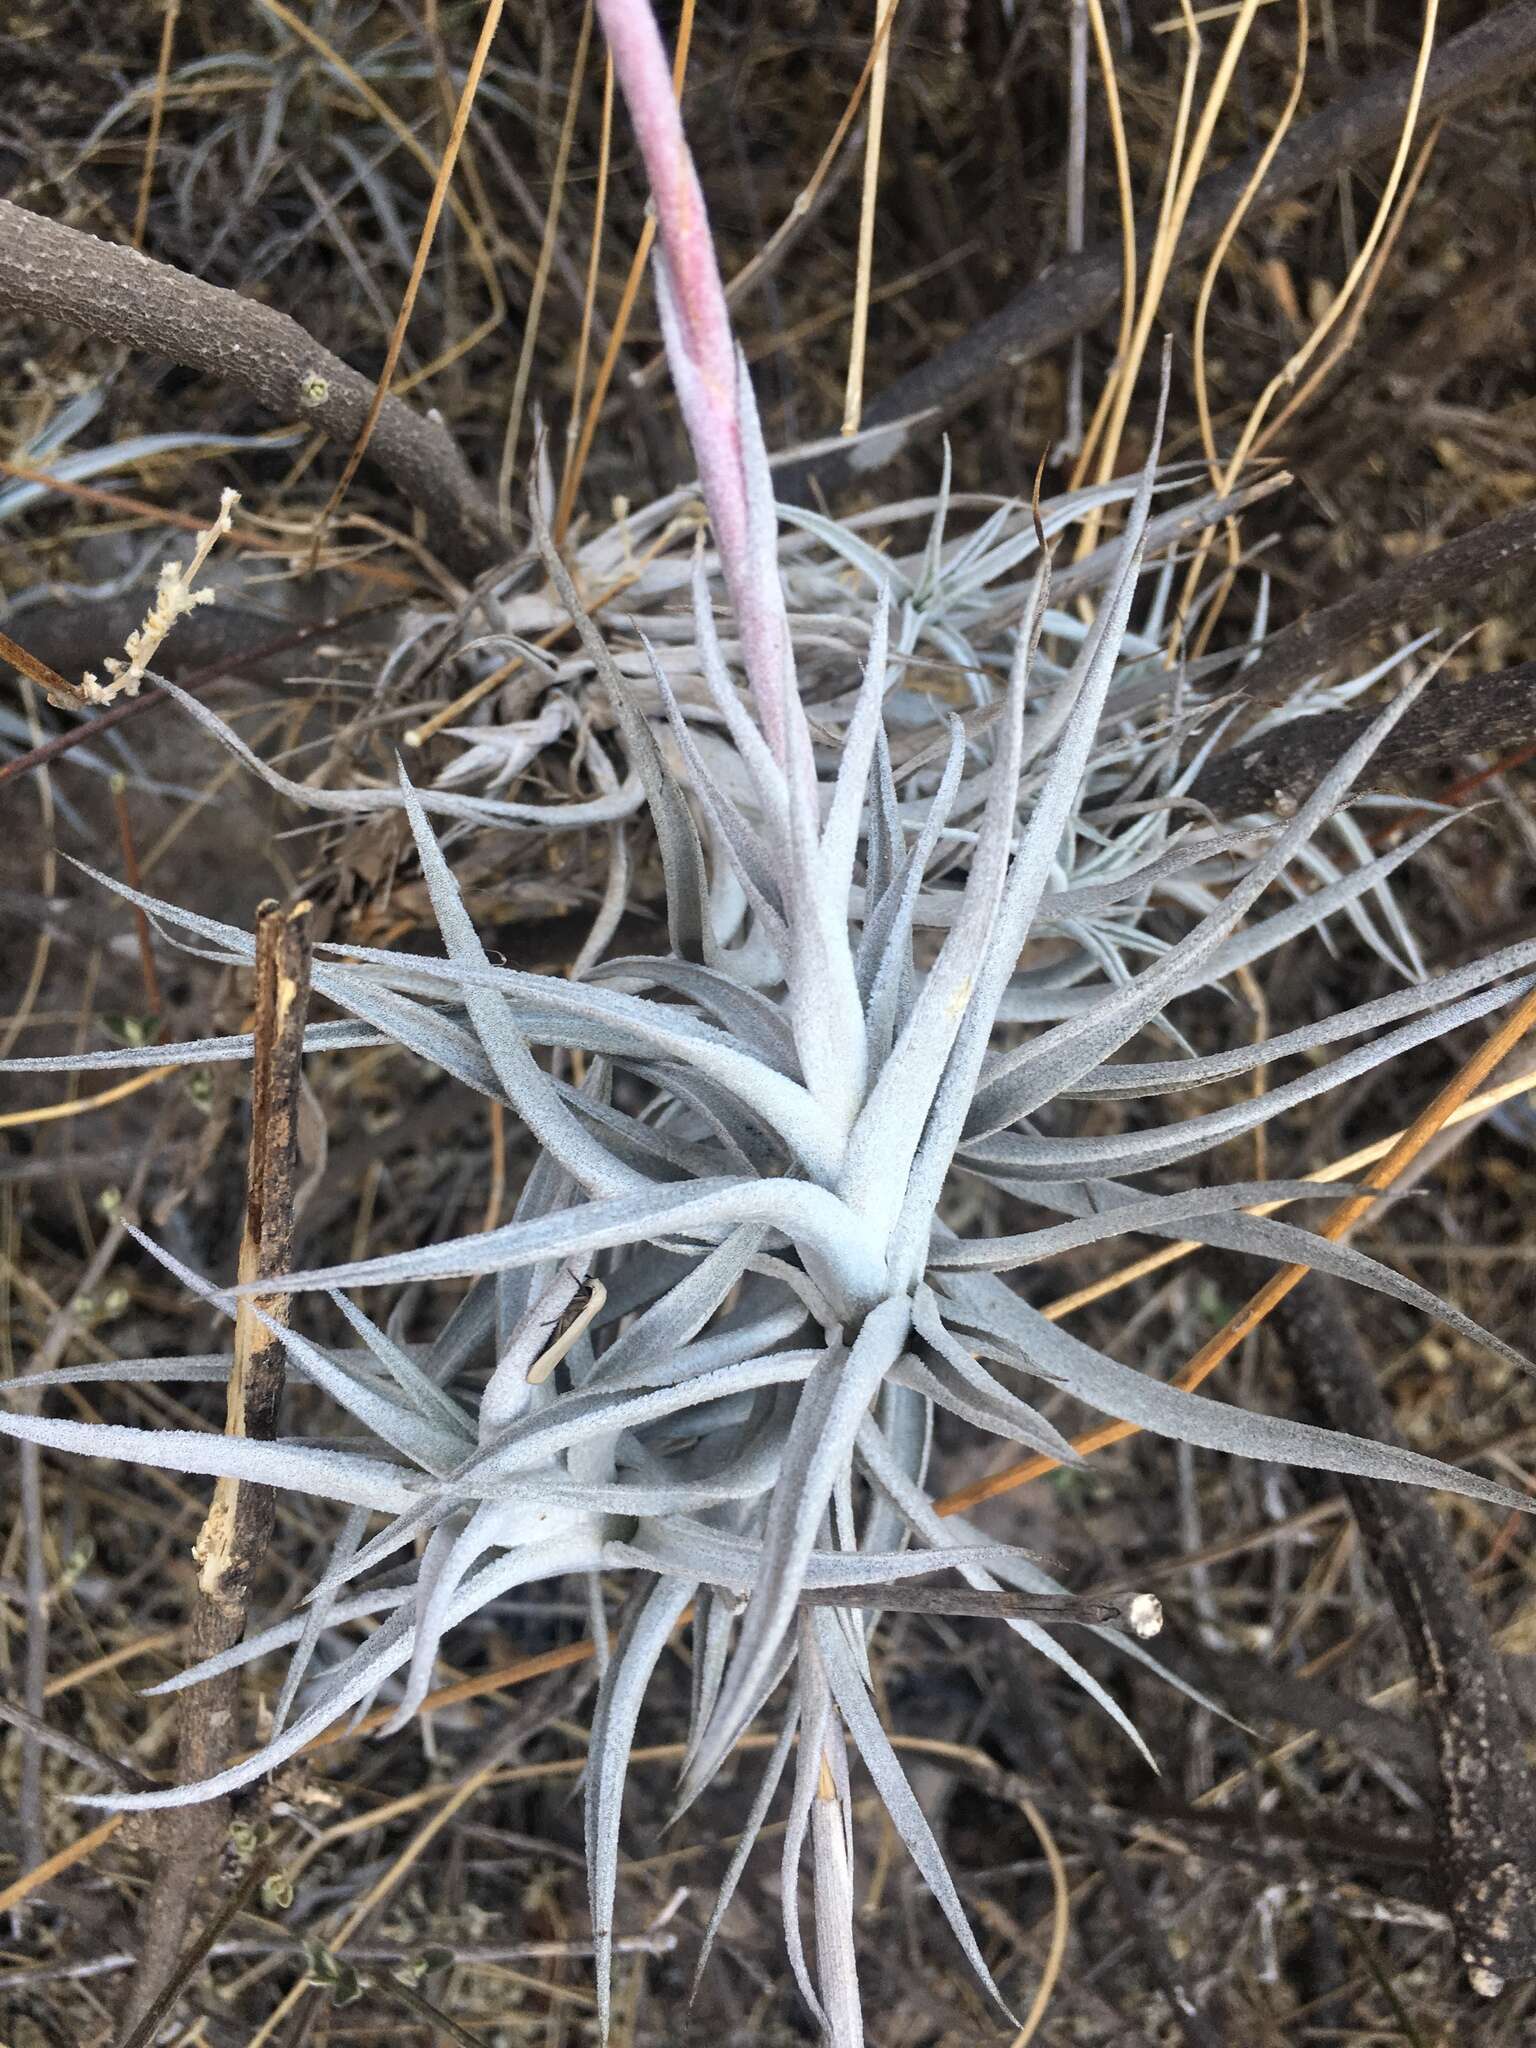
234 1537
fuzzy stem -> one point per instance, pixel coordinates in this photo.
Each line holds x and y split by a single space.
701 349
704 327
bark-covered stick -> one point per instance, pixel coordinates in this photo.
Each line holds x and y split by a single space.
52 272
1405 595
1488 1812
1275 771
234 1537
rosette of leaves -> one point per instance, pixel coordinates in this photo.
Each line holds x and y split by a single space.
707 1353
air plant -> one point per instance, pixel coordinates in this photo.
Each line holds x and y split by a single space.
707 1353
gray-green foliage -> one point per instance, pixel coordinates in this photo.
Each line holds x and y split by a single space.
758 1165
755 1166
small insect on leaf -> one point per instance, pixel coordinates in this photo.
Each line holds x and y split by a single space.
573 1320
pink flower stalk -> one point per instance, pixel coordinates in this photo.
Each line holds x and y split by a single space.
702 353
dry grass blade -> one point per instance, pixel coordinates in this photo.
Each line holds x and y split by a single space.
485 1682
853 398
406 136
1127 204
156 119
535 311
1285 378
1178 192
1208 279
1452 1098
435 204
1061 1923
63 1860
18 1119
1352 298
625 313
164 515
589 300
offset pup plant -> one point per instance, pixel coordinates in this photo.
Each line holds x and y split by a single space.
707 1353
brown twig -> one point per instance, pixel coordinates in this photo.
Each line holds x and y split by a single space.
440 184
899 1598
1406 593
52 272
1488 1818
1071 296
37 671
1485 714
234 1537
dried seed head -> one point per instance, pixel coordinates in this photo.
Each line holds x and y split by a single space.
174 597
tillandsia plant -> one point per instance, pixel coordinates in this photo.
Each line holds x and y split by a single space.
707 1354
